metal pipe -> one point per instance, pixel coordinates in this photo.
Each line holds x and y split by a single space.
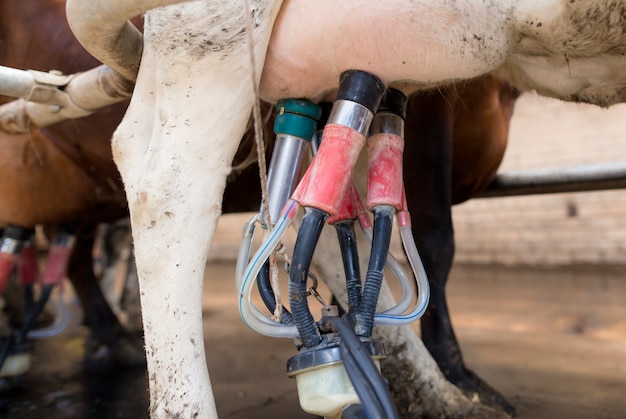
581 178
294 127
103 27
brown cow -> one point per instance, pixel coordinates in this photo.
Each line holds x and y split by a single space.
62 174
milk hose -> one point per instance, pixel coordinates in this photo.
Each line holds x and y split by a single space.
61 320
310 229
294 126
32 314
385 148
323 188
423 288
367 381
350 257
383 222
246 276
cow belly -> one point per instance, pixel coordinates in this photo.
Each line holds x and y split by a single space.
41 185
564 49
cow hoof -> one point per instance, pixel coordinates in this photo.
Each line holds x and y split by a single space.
475 388
126 352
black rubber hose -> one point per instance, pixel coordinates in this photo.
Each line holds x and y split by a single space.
363 388
31 316
383 223
367 381
29 298
264 286
350 257
308 236
5 346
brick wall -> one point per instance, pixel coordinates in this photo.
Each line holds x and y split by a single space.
552 229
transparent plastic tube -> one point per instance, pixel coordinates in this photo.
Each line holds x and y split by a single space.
421 280
244 249
406 282
61 320
250 314
246 274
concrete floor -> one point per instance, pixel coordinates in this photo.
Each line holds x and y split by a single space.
553 341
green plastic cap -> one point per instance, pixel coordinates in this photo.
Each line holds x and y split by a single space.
297 117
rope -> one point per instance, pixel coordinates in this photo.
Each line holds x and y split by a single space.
258 119
260 147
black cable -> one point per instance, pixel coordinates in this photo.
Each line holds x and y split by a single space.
364 390
308 236
264 286
350 256
383 223
5 346
365 377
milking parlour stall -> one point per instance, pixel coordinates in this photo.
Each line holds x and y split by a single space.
401 210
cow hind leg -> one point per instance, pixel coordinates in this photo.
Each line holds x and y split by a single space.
428 168
107 342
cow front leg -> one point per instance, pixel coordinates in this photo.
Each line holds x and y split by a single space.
428 180
174 170
174 150
174 209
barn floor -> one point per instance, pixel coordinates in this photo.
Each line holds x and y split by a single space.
552 340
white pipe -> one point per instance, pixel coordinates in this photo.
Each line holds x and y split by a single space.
15 83
99 87
103 27
243 257
80 95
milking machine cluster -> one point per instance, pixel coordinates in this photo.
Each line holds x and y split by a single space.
337 367
18 253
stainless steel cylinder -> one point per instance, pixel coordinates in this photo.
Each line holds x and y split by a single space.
351 114
286 170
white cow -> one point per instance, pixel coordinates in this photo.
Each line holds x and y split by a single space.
193 97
